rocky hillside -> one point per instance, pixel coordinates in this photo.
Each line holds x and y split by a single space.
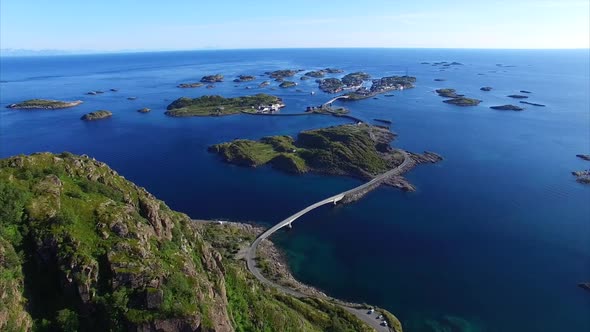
356 150
81 248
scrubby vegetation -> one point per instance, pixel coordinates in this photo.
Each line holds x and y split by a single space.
218 105
355 150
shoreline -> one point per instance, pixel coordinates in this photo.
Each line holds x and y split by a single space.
274 260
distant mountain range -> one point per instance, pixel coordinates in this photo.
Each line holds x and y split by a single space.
25 52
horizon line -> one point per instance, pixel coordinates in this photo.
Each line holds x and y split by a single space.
61 52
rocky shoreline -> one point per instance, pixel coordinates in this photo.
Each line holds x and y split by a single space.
276 268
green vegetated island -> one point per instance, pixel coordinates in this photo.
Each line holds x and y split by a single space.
354 81
287 84
219 106
358 150
282 73
44 104
97 115
456 99
84 249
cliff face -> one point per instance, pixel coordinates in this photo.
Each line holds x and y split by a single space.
83 249
103 253
13 316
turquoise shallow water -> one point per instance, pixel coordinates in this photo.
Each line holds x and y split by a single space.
495 239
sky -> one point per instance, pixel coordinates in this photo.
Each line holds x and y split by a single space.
130 25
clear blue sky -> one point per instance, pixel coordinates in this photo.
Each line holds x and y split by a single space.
109 25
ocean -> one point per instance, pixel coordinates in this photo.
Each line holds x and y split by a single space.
496 237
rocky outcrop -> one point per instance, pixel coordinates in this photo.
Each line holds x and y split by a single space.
582 176
189 85
584 285
212 78
98 115
532 104
584 156
507 108
486 88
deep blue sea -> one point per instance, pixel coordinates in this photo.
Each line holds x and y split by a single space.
496 237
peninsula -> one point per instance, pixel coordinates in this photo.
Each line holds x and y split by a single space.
85 239
218 105
97 115
44 104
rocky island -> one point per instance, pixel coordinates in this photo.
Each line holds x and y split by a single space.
360 150
212 78
382 85
144 110
218 105
190 85
315 74
244 78
97 115
44 104
331 85
457 99
507 108
582 176
99 253
463 101
287 84
282 74
518 96
532 104
356 150
448 93
486 88
355 79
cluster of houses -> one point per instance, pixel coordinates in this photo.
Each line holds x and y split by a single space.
269 109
